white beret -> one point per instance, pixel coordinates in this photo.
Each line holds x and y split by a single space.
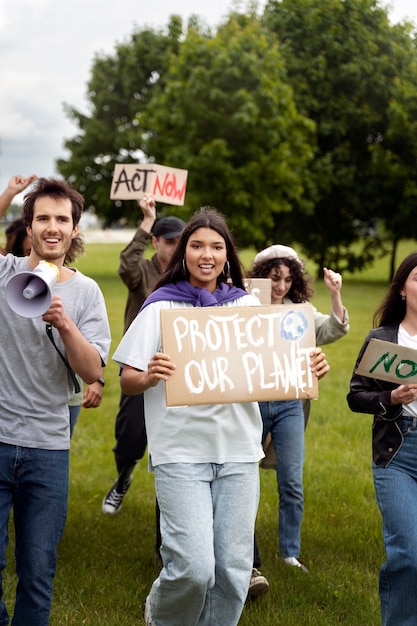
277 251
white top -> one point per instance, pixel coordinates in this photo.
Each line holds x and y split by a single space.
215 433
35 386
409 341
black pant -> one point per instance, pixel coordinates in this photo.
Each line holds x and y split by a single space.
256 555
131 442
130 431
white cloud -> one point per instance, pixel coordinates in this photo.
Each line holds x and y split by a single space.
47 49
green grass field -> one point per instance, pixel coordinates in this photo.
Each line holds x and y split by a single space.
107 564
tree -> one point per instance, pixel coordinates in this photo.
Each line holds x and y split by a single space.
119 91
394 156
298 125
226 114
344 61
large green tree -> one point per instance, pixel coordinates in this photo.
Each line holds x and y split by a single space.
394 159
299 125
226 114
119 90
346 64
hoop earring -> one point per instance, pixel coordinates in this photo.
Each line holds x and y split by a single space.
184 268
403 298
226 269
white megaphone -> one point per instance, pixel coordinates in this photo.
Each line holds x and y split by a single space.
29 293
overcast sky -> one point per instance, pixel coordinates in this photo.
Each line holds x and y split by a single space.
47 49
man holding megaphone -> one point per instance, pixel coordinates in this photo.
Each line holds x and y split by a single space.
37 373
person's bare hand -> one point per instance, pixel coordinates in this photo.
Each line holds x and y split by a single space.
160 367
19 183
56 314
93 395
318 363
147 204
404 394
333 280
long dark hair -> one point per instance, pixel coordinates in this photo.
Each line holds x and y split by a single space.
392 308
301 290
205 217
15 236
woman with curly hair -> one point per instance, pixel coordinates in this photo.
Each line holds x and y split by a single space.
284 420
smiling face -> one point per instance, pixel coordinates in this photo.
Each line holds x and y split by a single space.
281 282
52 229
205 257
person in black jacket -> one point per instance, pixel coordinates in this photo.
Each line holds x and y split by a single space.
394 443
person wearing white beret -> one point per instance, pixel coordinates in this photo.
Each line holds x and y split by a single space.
285 420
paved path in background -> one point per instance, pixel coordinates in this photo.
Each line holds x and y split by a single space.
109 235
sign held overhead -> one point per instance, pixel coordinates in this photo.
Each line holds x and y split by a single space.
132 180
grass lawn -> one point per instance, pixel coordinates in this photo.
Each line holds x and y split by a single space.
107 564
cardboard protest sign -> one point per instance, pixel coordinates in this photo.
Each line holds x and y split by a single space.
389 361
259 287
239 354
132 180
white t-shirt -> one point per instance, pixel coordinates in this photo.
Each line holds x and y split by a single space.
35 386
215 433
409 341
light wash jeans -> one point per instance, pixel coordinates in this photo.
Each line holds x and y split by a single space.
396 493
285 420
208 516
35 483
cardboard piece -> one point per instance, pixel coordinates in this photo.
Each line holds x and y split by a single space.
385 360
132 180
259 287
239 354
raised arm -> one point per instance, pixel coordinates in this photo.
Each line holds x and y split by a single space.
333 282
131 257
16 185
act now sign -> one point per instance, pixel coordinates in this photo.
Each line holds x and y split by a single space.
132 180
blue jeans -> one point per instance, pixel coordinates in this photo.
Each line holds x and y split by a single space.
208 516
74 413
285 420
396 493
35 483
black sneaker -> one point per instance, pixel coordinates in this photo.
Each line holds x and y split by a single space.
112 502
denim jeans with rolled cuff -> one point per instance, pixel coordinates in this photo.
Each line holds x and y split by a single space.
285 420
396 494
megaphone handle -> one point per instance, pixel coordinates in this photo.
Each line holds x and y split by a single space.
49 332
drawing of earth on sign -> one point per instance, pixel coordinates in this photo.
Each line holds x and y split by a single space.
293 326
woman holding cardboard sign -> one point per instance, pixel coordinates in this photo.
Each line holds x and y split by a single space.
205 458
394 444
284 420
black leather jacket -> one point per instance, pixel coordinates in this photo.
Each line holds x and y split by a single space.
368 395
